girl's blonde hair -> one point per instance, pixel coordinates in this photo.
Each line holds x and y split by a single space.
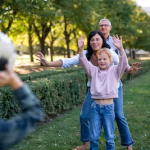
106 50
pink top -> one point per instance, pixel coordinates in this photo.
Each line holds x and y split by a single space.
104 83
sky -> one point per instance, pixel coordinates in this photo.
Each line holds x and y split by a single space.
143 3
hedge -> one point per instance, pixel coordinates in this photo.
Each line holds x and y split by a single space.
48 73
58 91
57 94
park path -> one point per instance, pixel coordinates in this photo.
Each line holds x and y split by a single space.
25 68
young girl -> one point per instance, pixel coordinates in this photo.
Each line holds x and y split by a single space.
104 88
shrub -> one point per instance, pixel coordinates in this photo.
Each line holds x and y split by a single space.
57 94
60 90
48 73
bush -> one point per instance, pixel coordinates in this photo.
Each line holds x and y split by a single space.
48 73
57 94
60 90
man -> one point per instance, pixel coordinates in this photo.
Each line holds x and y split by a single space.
105 27
14 129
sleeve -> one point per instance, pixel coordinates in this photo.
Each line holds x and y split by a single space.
127 68
13 130
87 66
122 65
69 62
114 57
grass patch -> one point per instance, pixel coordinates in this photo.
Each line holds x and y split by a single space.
63 133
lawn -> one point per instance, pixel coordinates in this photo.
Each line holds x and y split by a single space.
63 133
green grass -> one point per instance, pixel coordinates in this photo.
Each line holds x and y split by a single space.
63 133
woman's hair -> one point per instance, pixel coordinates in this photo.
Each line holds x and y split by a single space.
106 50
89 48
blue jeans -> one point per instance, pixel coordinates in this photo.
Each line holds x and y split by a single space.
102 115
126 138
85 117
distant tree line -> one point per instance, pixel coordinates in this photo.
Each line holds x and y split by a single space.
51 23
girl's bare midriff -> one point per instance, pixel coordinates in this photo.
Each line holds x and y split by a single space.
104 101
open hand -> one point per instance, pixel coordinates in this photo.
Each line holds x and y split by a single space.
42 59
81 43
134 68
118 42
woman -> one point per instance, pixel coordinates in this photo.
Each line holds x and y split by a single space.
86 107
103 77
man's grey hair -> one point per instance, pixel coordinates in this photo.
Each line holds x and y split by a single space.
105 20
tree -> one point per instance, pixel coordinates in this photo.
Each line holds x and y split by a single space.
8 12
76 16
30 42
52 37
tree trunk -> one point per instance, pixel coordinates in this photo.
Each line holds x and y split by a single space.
42 43
64 53
51 51
30 43
134 56
68 49
67 36
131 54
45 30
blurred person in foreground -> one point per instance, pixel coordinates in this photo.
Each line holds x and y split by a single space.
15 129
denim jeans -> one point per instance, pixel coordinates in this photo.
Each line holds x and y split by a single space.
126 138
85 117
102 116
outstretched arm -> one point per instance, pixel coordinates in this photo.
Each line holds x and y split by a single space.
66 62
42 59
123 61
134 68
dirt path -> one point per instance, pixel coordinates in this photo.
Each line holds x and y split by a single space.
29 67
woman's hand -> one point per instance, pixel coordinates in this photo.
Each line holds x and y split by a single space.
81 43
135 68
42 59
118 42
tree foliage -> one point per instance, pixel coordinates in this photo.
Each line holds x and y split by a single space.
60 22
